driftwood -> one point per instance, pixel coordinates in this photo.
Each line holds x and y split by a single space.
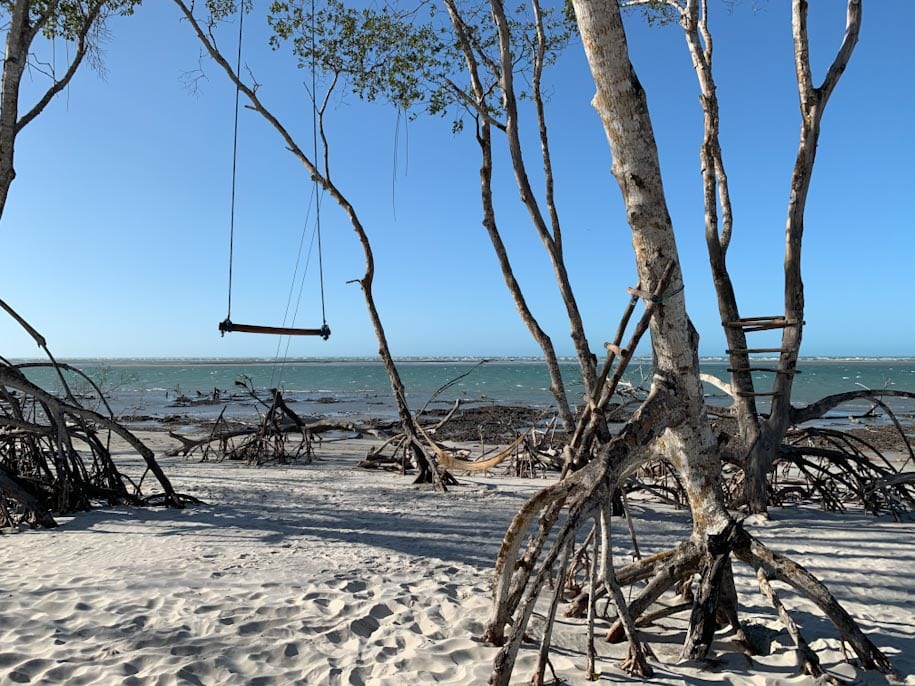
449 461
270 440
55 455
503 421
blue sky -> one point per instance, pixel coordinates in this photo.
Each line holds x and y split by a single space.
115 237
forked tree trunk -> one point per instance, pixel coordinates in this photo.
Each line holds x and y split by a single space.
718 232
759 441
813 103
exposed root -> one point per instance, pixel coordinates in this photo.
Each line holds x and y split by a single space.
809 662
636 663
839 469
715 602
55 454
681 564
775 566
703 620
543 658
281 436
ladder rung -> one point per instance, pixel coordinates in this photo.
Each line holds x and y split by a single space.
747 320
764 369
761 324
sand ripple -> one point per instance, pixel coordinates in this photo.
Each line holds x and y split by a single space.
328 575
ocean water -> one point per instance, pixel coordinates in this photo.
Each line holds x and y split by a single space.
359 388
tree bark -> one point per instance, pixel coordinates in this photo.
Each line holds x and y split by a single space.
552 243
14 62
716 190
622 106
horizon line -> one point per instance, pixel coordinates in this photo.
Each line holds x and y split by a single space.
414 358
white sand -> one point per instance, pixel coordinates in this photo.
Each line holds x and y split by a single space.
326 574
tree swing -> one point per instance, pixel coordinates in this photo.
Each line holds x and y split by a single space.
227 325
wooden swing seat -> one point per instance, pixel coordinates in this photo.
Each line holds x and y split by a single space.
228 326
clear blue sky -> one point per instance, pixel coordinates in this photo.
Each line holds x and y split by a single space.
115 237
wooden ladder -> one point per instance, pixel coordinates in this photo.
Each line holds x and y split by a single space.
740 360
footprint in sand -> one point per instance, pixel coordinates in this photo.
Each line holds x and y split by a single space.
365 626
380 611
9 659
251 628
26 672
184 650
206 609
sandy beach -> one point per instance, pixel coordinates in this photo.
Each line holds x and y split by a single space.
329 574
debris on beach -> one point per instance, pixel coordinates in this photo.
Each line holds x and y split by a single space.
56 454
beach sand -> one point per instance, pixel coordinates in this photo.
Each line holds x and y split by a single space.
328 574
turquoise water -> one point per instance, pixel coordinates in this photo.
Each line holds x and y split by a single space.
358 387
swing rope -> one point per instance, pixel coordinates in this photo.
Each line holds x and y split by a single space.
241 25
314 140
315 200
228 325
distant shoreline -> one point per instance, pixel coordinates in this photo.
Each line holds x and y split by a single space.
256 361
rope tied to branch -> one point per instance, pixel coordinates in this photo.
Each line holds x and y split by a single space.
651 297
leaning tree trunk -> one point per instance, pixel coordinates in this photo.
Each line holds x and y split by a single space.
557 387
428 470
16 55
22 30
552 242
484 139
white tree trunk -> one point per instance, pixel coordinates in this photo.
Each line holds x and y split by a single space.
621 103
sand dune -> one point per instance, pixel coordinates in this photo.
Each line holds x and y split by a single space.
326 574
